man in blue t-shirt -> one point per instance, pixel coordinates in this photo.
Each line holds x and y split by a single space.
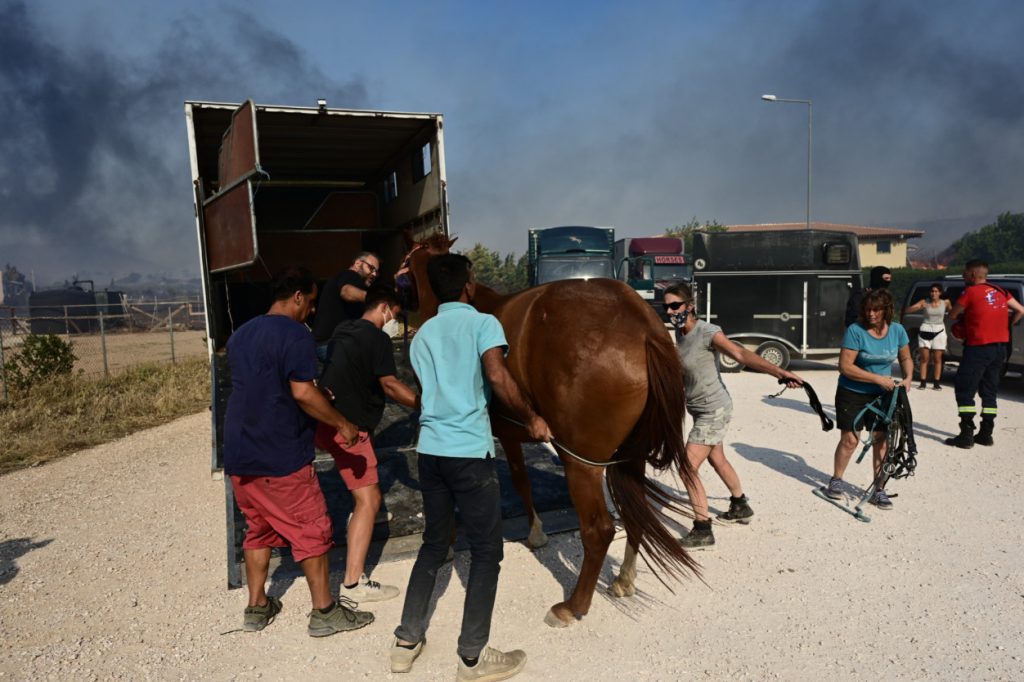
268 453
459 358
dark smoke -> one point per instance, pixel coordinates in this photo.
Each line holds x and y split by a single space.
94 169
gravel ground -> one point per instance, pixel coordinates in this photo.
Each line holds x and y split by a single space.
112 567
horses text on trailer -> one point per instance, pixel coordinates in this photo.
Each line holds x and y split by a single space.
570 252
650 264
277 186
777 293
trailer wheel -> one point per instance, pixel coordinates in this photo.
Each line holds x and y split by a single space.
774 353
727 364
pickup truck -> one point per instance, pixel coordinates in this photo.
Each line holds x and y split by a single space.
952 288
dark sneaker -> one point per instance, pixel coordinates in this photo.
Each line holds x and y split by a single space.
834 489
402 658
881 500
739 511
923 384
367 590
342 618
935 386
492 665
697 539
259 617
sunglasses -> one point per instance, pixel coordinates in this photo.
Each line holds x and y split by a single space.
674 305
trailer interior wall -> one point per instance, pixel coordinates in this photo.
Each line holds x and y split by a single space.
331 183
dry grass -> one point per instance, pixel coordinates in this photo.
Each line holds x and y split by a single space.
72 413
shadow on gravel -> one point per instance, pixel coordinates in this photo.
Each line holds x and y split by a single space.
800 404
11 551
787 463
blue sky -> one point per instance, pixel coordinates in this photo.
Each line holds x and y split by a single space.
638 115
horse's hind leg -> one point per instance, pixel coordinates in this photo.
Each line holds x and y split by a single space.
596 532
517 469
625 584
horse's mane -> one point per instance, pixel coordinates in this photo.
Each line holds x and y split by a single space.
435 241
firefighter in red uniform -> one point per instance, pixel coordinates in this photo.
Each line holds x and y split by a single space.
981 321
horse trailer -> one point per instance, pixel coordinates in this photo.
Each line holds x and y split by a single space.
276 186
780 294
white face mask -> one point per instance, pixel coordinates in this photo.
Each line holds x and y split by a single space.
391 327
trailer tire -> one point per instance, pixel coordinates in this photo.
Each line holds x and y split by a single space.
774 353
727 364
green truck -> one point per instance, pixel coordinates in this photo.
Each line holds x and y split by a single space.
570 252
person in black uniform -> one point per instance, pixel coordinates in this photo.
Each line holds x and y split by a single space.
880 278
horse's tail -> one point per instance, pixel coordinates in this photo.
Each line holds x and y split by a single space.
656 439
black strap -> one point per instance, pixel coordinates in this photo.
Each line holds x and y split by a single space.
812 397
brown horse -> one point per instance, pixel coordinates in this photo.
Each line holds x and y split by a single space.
597 364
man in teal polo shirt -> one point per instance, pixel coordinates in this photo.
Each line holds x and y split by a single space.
459 358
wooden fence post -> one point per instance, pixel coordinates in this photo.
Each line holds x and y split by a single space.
103 346
3 365
170 326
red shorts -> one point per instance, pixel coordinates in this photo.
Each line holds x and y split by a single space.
357 463
285 511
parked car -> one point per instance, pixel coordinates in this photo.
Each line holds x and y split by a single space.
952 288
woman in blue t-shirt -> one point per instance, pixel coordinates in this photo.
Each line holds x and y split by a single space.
870 346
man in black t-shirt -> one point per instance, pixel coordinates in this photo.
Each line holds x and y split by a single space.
359 373
344 298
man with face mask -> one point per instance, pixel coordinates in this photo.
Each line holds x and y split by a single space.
880 278
359 373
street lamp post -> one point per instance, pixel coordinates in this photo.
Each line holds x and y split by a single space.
773 98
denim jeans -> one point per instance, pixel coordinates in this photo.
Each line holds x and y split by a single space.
471 484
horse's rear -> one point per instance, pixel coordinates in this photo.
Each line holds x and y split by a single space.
598 365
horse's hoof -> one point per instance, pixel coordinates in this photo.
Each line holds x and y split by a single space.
622 589
552 619
536 539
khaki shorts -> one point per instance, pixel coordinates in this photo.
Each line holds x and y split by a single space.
709 428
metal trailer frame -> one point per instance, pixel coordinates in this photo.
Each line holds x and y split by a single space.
238 150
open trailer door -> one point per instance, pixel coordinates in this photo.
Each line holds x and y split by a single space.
228 219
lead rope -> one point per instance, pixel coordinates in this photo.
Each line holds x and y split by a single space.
812 398
555 444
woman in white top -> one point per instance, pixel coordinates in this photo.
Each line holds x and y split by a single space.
931 338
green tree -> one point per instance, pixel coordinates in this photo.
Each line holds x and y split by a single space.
503 274
999 242
40 358
686 231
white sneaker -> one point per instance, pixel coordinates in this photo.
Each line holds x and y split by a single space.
493 665
367 590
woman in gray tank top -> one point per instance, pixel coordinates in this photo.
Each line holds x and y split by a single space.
931 337
710 405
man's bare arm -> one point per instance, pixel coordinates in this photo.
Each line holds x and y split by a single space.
352 293
312 401
1017 308
507 391
399 392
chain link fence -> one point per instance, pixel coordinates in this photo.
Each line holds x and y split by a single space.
109 338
